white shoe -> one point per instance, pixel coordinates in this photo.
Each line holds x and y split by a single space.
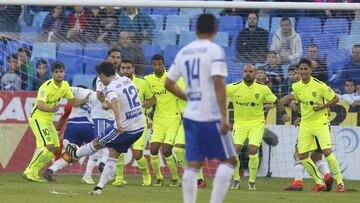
87 180
95 192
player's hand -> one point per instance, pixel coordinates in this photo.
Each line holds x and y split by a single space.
318 107
267 107
119 128
224 126
100 96
285 118
297 122
54 108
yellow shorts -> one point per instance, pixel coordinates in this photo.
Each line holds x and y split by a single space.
180 137
45 132
254 133
306 141
165 130
141 142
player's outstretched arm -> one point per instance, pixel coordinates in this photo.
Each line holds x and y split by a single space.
42 107
285 100
332 102
221 100
175 89
281 109
77 102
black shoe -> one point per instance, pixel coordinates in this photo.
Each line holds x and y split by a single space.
101 166
71 149
49 175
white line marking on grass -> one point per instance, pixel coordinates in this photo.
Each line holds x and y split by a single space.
62 193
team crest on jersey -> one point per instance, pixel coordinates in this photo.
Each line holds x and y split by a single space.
257 96
42 94
314 94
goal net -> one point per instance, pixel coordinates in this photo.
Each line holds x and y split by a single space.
272 37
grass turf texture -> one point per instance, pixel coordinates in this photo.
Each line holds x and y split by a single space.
13 188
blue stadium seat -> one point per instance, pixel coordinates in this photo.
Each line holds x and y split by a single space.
275 23
70 49
39 18
94 53
230 53
336 26
150 50
264 22
164 38
346 42
159 22
28 38
170 53
193 23
214 11
12 47
309 25
355 27
83 79
44 50
165 11
234 71
271 35
186 37
326 42
177 23
71 55
191 11
145 10
231 24
222 39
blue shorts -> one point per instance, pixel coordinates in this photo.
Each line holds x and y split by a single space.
79 133
101 124
203 140
120 142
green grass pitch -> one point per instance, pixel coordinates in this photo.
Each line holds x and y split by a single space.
13 188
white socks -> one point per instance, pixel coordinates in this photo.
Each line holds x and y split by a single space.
90 165
323 167
59 164
103 154
189 184
299 170
221 182
108 172
85 150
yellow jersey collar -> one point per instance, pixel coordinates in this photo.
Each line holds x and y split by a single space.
54 84
310 81
246 86
162 77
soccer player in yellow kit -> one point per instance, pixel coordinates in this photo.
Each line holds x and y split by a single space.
248 97
147 99
166 122
41 119
314 98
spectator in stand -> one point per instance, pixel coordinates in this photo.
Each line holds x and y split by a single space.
261 76
142 25
78 22
274 72
287 43
54 26
131 50
25 67
42 75
11 80
93 29
293 77
350 94
9 16
352 69
319 64
109 25
251 43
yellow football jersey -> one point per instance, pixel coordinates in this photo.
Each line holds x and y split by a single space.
248 102
50 94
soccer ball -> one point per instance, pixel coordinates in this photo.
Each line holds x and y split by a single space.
67 157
